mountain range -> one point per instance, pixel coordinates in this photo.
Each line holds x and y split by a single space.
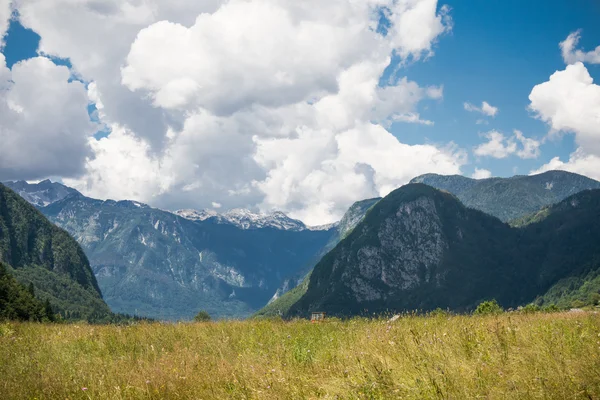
169 265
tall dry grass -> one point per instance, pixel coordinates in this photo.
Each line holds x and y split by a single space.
539 356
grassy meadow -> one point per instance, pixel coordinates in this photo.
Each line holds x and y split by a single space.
528 356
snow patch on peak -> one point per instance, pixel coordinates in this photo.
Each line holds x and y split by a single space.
246 219
195 215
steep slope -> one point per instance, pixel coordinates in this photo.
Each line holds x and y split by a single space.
511 198
295 287
45 255
420 248
153 263
41 194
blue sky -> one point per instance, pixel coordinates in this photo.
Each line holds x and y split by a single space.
496 51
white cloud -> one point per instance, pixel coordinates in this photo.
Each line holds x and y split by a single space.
481 173
579 162
266 104
571 55
415 26
570 102
499 146
530 147
485 108
5 13
413 118
122 167
45 124
314 173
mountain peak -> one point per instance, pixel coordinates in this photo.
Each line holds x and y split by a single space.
42 193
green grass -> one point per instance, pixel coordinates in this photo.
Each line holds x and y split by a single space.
535 356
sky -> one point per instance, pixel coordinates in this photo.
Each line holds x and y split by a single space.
302 107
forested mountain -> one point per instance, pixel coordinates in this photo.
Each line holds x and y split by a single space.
511 198
421 248
39 253
151 262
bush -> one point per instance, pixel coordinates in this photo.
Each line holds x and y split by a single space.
551 308
530 309
202 316
489 307
438 312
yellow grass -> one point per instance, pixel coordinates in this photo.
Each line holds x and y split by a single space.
541 356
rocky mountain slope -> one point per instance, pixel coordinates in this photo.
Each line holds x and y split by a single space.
294 287
421 248
151 262
41 194
39 253
511 198
246 219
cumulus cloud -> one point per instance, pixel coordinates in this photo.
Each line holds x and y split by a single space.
571 54
569 102
264 104
5 13
530 148
45 125
499 146
485 108
481 173
579 162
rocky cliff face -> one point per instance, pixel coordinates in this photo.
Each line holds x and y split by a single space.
279 303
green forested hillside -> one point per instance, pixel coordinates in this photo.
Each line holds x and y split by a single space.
420 248
44 255
18 302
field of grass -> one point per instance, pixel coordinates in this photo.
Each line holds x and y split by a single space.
537 356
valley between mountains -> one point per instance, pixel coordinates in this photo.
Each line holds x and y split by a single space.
438 242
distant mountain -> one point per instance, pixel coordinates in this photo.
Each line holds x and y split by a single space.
511 198
421 248
39 253
295 286
41 194
246 219
153 263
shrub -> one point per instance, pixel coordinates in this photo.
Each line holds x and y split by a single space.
488 307
202 316
438 312
531 308
551 308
